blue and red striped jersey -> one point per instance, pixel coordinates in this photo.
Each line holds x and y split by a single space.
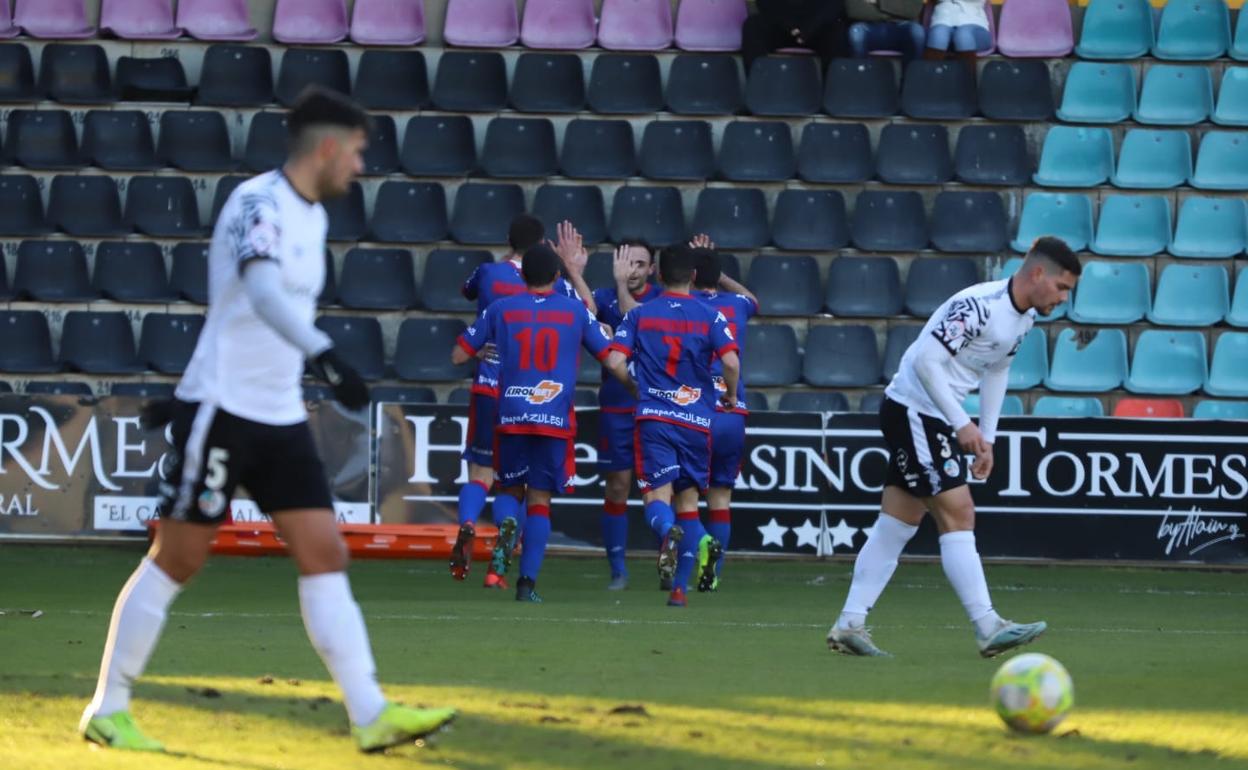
738 309
613 396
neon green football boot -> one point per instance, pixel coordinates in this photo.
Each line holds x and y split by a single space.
709 551
400 724
117 731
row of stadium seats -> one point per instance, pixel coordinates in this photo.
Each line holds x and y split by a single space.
1148 159
1083 406
1172 95
1187 30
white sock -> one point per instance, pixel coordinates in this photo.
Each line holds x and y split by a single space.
966 573
138 617
336 627
874 567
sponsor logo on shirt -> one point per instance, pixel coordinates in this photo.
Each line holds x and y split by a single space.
541 393
683 396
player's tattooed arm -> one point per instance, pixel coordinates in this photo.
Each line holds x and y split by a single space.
572 253
732 375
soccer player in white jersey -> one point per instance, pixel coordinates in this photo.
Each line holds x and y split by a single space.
969 342
238 418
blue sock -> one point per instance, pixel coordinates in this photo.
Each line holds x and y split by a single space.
507 506
472 501
615 536
522 517
720 528
688 550
660 517
536 533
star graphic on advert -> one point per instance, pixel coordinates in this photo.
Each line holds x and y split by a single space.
807 534
868 530
773 533
843 534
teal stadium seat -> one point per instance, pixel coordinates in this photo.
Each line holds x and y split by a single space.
1191 295
1010 268
1222 161
1011 406
1221 410
1211 228
1228 374
1168 363
1098 93
1153 160
1065 215
1175 95
1076 156
1116 29
1239 48
1031 362
1238 314
1232 107
1133 226
1193 30
1088 361
1068 406
1111 293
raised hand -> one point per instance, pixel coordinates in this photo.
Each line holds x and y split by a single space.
702 241
571 247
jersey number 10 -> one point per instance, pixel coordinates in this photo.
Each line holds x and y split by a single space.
539 353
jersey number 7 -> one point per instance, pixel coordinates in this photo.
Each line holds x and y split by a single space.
547 347
674 345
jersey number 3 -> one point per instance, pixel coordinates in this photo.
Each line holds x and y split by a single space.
538 351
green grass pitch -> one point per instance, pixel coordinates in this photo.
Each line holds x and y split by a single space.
590 679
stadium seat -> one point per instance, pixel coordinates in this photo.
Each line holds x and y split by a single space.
310 22
1175 95
1153 160
992 155
783 86
1168 363
1232 106
757 152
98 343
558 24
932 280
813 401
864 287
625 84
892 221
810 220
444 276
303 67
599 270
144 390
774 360
835 153
1238 314
871 402
156 79
653 215
52 271
1098 93
42 139
226 186
409 212
118 140
1011 405
1009 268
1193 30
1239 48
1016 90
1222 161
841 357
519 147
236 76
75 74
1155 408
548 83
216 20
938 90
162 206
1210 228
1112 293
21 206
167 340
17 75
1088 361
359 339
913 155
1065 215
598 149
196 141
1068 406
1116 29
402 394
734 217
347 220
423 352
1133 225
138 19
635 25
582 205
786 285
28 342
483 212
1036 29
59 387
459 396
7 30
470 81
704 84
1076 156
391 80
131 272
377 279
1191 295
1221 410
52 19
899 339
710 25
973 222
1228 372
329 290
481 23
439 145
5 293
589 371
388 22
188 272
861 88
381 156
86 206
678 150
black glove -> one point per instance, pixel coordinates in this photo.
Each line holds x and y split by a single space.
348 385
156 414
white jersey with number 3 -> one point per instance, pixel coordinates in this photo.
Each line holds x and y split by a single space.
240 363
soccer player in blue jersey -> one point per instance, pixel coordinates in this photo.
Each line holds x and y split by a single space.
537 337
633 268
672 341
487 284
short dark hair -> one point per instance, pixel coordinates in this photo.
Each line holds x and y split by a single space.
524 233
1057 252
676 265
708 270
319 107
540 265
637 243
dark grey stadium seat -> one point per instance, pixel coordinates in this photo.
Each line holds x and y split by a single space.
835 153
470 81
423 352
653 215
98 343
1016 89
861 88
266 142
87 206
459 397
899 338
391 80
969 222
188 272
786 86
889 221
585 397
155 79
28 342
704 84
871 402
443 280
52 271
813 220
18 81
403 394
599 271
58 388
5 292
75 74
146 390
813 401
409 212
381 157
548 82
677 150
118 140
867 287
314 392
913 155
163 206
729 265
195 141
938 90
774 360
132 272
841 357
786 285
377 279
347 220
757 152
329 289
625 84
734 217
236 76
439 145
167 340
226 186
303 67
588 371
519 148
598 149
992 155
21 206
42 139
582 205
359 341
756 401
483 212
933 280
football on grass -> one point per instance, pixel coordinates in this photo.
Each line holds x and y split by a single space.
1032 692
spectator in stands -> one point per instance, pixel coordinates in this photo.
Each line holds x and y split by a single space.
885 25
960 24
815 24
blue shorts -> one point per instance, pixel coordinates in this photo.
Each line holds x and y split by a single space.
727 448
671 454
482 414
615 441
538 462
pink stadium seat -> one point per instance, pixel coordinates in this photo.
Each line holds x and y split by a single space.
388 22
710 25
635 25
1149 407
560 24
1036 29
139 19
7 27
313 22
482 23
53 19
216 20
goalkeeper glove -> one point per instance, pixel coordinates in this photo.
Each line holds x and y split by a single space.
348 386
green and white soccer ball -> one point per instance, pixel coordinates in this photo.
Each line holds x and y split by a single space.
1032 692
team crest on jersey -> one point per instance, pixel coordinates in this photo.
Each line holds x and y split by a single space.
541 393
951 467
683 396
212 503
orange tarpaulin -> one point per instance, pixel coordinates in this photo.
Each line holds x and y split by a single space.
366 541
